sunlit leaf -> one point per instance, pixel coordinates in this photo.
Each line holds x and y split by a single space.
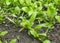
25 9
21 2
58 18
51 11
32 18
34 33
17 10
3 33
8 2
46 41
13 41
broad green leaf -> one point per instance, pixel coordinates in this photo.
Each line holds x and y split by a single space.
24 21
58 18
17 10
30 13
3 33
34 33
46 41
42 36
32 18
51 11
56 1
28 2
8 2
13 41
25 9
0 41
21 1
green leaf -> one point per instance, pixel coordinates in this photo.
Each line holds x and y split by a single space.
42 36
47 24
21 1
8 2
38 27
3 33
56 2
32 18
30 13
51 11
25 9
28 2
17 10
0 41
58 18
13 41
24 21
46 41
34 33
49 0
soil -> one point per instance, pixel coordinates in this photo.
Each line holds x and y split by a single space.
13 32
55 34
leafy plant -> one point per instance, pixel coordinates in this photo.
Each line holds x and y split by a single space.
46 41
3 33
58 18
13 41
25 13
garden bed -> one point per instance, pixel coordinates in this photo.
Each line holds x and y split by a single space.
29 21
53 35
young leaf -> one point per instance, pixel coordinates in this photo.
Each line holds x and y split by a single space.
24 21
21 2
8 2
58 18
17 10
3 33
28 2
51 11
13 41
25 9
46 41
34 33
30 13
56 2
32 18
42 36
